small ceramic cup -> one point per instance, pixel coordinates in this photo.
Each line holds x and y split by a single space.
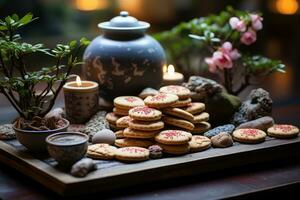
67 147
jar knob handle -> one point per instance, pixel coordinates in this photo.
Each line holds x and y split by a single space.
124 13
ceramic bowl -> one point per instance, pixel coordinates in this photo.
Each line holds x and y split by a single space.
67 147
35 141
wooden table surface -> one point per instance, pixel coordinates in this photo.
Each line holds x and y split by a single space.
278 178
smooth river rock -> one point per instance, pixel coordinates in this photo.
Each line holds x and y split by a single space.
228 128
222 140
104 136
262 123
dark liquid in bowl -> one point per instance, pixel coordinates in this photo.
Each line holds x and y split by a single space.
68 139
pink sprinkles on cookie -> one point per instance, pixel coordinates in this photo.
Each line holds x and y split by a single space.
172 134
145 110
130 99
173 88
159 97
250 132
133 150
283 127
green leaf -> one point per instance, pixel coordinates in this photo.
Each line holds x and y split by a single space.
72 43
15 17
26 19
197 37
84 41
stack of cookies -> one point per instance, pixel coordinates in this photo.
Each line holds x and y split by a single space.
179 112
174 141
122 105
140 127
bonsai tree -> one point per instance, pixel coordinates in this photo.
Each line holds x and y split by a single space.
17 83
221 41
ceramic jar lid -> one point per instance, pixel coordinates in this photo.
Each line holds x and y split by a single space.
124 23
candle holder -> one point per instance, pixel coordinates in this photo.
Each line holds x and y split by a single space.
171 77
81 100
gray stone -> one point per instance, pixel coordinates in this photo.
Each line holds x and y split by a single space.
7 132
83 167
219 104
202 88
258 104
262 123
155 151
104 136
222 140
148 92
228 128
95 124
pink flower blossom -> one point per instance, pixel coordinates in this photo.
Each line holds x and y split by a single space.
256 22
212 67
248 37
222 60
237 24
227 49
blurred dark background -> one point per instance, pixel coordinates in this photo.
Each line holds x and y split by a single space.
62 20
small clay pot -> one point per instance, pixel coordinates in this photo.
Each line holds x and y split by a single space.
67 147
35 141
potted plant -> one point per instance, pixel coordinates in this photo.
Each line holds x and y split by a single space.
220 45
33 93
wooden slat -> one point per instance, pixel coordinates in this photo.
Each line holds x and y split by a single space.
113 174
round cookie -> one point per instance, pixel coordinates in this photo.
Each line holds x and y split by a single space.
120 111
101 151
202 117
182 103
173 137
195 107
131 142
177 112
123 122
144 113
7 132
131 133
180 91
175 149
249 135
128 102
111 118
199 143
119 134
283 131
146 125
179 123
132 154
113 127
161 100
201 128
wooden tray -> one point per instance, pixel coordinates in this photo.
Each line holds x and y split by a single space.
113 174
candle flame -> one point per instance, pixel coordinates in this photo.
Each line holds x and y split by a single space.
171 69
165 69
78 81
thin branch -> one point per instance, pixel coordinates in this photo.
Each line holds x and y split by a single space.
243 86
12 102
6 72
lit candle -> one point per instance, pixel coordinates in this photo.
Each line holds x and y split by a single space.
81 100
171 77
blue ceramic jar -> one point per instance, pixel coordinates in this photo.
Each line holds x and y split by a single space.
124 60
